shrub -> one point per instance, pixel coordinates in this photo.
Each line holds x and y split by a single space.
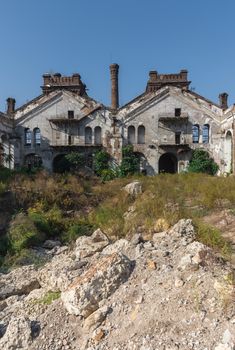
76 230
3 187
23 233
130 162
76 160
201 162
101 162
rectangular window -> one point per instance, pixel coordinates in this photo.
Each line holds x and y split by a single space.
177 112
70 114
177 138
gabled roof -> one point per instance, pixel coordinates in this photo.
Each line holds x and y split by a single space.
141 101
43 99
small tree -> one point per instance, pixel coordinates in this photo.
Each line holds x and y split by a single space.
101 162
75 159
201 162
130 162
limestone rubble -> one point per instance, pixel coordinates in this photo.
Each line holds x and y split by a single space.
168 293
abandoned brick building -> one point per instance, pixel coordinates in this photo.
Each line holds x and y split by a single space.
164 124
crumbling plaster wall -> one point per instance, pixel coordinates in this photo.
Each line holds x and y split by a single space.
157 116
56 133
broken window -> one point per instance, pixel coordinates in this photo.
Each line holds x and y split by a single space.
177 112
205 133
37 136
131 134
141 134
70 114
195 131
27 137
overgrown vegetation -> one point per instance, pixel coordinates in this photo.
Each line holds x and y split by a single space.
201 162
64 207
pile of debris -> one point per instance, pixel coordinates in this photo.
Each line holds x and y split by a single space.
167 293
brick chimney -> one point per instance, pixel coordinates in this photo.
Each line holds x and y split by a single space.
114 86
11 105
223 100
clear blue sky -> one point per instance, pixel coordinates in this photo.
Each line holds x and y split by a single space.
67 36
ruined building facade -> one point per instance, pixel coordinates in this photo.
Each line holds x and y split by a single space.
164 125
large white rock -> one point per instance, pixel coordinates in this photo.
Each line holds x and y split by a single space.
184 229
18 282
84 295
59 273
87 246
18 334
120 246
134 188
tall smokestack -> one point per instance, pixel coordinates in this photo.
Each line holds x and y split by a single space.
114 86
11 105
223 99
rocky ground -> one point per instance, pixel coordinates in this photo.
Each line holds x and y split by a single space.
167 293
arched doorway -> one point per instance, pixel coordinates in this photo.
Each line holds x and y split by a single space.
33 160
228 153
168 163
60 164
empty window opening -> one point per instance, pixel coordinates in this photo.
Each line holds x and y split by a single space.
70 114
131 134
88 135
141 134
177 138
98 135
177 112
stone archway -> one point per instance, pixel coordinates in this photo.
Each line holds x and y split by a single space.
60 164
167 163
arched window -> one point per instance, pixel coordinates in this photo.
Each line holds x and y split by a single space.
195 130
37 136
205 133
88 135
97 132
141 134
27 137
131 134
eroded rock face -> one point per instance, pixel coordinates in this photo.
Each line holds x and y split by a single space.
18 334
134 188
84 295
19 281
59 272
87 246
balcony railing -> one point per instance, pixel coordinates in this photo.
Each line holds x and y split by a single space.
170 116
